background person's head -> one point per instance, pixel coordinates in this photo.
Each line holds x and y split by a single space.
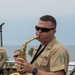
46 28
16 54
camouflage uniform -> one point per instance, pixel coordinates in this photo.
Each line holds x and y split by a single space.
3 57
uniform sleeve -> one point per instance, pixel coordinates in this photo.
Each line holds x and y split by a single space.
3 58
59 60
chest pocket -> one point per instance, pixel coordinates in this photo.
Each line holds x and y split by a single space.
43 59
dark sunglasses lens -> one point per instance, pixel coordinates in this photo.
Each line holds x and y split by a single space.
37 28
42 29
16 55
45 29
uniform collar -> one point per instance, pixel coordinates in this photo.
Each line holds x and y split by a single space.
49 45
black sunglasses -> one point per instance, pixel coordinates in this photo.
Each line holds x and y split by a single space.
16 55
43 29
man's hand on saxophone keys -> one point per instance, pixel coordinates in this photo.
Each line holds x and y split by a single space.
24 65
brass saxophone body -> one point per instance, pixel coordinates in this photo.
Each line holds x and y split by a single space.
23 53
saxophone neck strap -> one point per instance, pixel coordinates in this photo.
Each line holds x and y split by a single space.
38 53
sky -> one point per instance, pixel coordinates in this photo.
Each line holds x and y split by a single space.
21 16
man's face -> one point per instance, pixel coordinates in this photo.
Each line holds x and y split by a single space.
42 30
16 55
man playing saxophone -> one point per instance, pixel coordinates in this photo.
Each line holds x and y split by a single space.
50 58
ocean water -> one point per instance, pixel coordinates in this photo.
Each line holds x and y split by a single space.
10 51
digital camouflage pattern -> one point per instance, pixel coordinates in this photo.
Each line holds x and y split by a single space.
3 57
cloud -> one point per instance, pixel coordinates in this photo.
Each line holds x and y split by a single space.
31 8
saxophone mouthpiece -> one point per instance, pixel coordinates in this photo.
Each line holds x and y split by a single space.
36 36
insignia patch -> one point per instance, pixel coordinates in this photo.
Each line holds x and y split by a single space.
41 56
62 58
46 58
1 56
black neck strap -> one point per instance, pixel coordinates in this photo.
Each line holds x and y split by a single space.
37 54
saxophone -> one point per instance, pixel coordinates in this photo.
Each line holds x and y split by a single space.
23 54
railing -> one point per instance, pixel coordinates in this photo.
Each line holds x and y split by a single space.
71 67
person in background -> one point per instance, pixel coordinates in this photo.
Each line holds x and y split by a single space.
16 56
3 57
51 57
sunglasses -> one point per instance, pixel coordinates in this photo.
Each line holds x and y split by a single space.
16 55
43 29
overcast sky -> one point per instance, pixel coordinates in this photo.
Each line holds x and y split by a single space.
21 16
